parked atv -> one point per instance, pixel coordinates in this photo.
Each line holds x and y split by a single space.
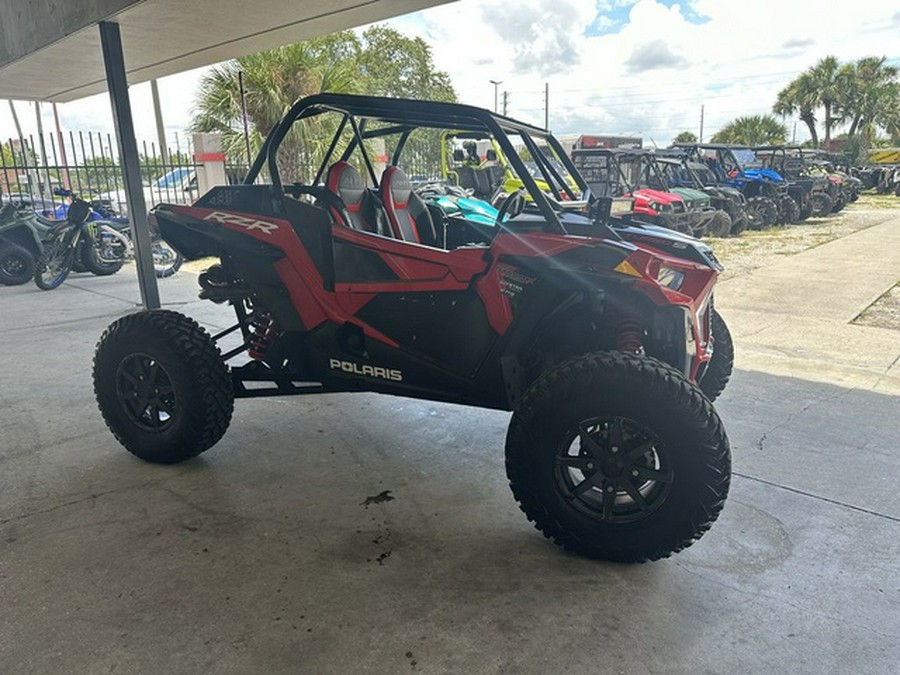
790 162
618 172
727 203
768 201
592 342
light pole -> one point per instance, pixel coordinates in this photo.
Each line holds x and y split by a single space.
496 84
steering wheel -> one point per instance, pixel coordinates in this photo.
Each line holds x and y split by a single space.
512 206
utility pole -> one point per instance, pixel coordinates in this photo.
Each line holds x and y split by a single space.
496 83
15 116
546 105
794 135
244 118
62 149
505 101
160 129
701 121
40 130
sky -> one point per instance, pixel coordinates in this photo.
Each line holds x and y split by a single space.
621 67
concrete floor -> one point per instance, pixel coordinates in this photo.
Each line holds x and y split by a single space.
268 554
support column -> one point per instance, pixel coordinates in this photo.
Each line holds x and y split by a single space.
117 83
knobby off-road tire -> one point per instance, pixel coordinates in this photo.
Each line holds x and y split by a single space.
821 204
16 264
839 204
720 225
162 386
739 222
90 259
718 371
790 210
762 212
53 266
619 457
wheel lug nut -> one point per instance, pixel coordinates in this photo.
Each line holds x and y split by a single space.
590 465
610 488
635 473
615 448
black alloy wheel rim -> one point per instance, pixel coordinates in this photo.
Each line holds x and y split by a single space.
12 264
146 392
613 469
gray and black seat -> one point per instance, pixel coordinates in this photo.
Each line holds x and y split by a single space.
407 213
361 208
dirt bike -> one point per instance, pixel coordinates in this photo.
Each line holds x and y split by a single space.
83 241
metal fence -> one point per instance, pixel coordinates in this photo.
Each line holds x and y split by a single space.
34 168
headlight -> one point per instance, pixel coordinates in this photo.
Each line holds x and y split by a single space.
670 277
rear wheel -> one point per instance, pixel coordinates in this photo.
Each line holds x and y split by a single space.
166 260
839 203
162 386
720 225
99 262
16 264
738 221
618 456
53 265
718 370
761 213
790 210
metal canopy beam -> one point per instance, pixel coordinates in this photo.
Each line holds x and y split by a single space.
116 81
57 58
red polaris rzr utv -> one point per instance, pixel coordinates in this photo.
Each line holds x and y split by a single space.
342 280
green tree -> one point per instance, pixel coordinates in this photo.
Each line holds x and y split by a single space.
685 137
382 62
799 98
273 80
826 81
752 130
870 96
393 64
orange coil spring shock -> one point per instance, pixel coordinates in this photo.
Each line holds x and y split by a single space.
265 331
629 336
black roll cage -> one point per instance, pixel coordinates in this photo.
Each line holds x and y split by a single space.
404 116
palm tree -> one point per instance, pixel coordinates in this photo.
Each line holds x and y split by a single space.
383 62
799 98
871 95
826 81
273 80
752 130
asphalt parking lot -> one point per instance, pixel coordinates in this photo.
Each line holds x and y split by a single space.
371 534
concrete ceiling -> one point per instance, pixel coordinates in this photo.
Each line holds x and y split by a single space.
50 51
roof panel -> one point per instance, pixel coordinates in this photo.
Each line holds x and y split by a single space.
163 37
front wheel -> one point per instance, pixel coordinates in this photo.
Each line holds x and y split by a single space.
162 386
619 457
762 212
718 370
53 265
790 210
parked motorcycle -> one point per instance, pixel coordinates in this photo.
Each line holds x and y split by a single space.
84 241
